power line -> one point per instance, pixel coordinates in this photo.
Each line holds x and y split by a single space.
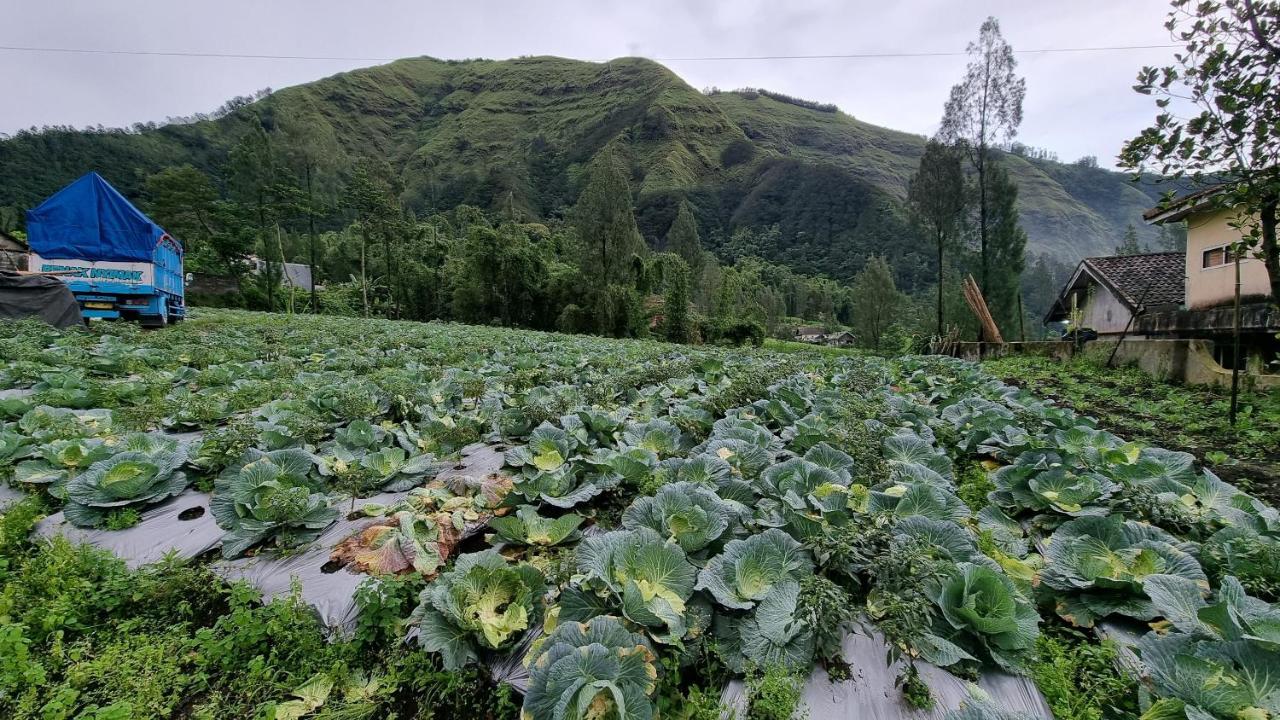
738 58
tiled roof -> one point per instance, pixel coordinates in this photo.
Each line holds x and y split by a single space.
1150 279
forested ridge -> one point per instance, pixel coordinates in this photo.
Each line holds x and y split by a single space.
491 133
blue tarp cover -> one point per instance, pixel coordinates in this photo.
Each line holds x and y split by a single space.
90 220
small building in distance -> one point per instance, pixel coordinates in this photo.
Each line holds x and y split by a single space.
1210 264
13 252
810 334
844 338
1183 296
1108 292
295 275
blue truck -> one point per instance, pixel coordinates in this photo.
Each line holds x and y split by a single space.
117 261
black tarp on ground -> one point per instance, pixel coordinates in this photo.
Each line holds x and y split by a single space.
42 296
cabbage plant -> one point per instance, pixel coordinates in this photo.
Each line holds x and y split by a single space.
1040 482
595 669
551 470
773 633
1099 565
1220 659
270 496
55 463
659 436
144 474
748 569
394 470
690 514
527 527
483 602
982 613
649 579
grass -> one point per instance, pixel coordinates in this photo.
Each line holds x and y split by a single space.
1131 404
791 346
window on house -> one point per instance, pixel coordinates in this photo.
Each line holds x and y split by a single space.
1218 256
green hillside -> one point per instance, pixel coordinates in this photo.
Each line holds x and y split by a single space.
515 135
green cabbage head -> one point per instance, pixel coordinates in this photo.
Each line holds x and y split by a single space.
270 495
748 569
1099 566
591 670
689 513
527 527
483 602
981 608
637 570
130 478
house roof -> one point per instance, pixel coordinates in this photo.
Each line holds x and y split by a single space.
810 330
1137 281
1181 207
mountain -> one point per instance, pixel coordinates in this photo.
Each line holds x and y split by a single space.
516 134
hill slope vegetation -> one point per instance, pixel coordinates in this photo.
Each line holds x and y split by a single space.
515 134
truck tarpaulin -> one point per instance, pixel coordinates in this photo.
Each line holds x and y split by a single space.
90 220
42 296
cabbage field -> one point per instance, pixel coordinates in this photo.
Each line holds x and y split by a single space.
253 515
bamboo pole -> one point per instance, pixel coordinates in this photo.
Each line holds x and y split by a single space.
973 296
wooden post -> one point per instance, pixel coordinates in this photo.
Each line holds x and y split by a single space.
1235 351
1022 328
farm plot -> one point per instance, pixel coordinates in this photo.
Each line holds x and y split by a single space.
620 529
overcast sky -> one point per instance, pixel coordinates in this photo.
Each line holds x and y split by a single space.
1077 103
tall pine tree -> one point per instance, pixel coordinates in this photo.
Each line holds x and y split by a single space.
937 196
606 224
683 240
1006 248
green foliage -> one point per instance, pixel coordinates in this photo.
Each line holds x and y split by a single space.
775 693
1078 677
637 571
1100 566
527 527
877 299
146 472
980 603
915 691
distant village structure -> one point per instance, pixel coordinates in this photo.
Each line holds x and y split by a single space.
815 335
1189 295
13 253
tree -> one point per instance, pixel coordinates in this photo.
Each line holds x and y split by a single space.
606 224
1129 244
683 240
183 201
937 196
676 325
311 148
253 174
497 276
373 198
876 300
1007 250
1228 72
984 109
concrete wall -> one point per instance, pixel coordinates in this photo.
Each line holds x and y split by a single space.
1186 361
1216 285
1103 311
